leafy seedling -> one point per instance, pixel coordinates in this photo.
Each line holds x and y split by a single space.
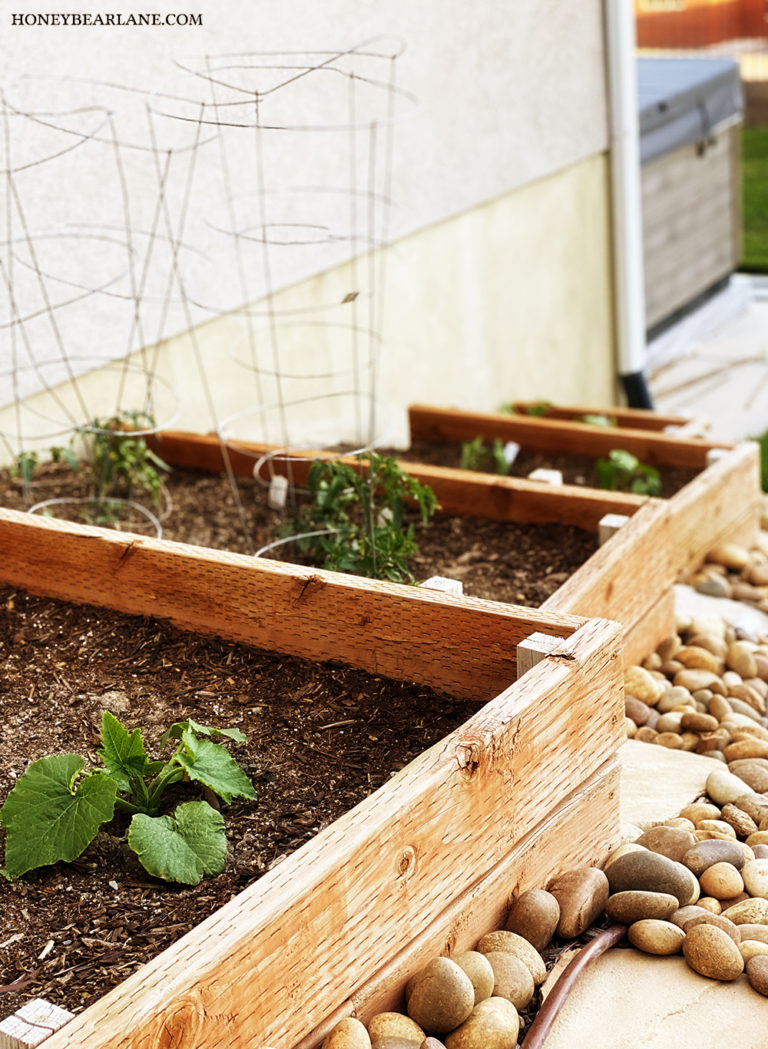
596 420
623 472
485 458
360 511
59 803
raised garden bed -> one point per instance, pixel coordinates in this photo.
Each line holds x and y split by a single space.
523 789
632 418
630 578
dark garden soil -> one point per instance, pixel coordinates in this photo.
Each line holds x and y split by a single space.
321 737
500 561
576 469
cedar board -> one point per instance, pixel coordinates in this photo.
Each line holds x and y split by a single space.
394 879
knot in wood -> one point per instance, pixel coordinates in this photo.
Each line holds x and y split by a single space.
468 755
177 1027
406 864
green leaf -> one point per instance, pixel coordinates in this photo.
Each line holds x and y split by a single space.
122 752
47 820
178 728
182 847
211 764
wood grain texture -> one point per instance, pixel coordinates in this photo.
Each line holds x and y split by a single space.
586 820
721 503
644 635
625 576
556 435
634 418
270 966
461 492
462 645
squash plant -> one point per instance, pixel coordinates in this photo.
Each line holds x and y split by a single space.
59 803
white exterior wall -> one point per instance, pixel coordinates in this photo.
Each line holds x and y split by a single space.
499 283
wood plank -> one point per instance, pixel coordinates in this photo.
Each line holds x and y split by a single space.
635 418
555 435
624 577
268 967
463 645
644 635
462 492
586 820
723 501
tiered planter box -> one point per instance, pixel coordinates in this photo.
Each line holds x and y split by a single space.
630 578
632 418
526 788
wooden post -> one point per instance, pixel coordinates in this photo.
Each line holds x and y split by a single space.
609 525
714 455
535 648
32 1024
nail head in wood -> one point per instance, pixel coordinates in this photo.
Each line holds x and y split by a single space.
32 1024
535 648
546 476
609 525
448 586
278 492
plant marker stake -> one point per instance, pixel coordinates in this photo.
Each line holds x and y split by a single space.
278 492
546 476
714 454
540 1028
609 525
535 648
441 582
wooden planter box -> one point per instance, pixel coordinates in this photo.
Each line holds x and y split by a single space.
427 864
632 418
629 579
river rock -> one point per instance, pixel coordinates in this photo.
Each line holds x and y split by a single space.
635 905
752 771
752 948
739 657
672 842
700 810
637 710
432 1043
493 1024
534 915
503 940
654 936
684 914
746 748
742 823
750 931
676 699
384 1027
348 1033
581 894
730 555
655 873
761 852
512 978
479 970
710 904
723 786
440 996
753 911
757 973
755 874
719 707
693 721
711 952
706 853
694 680
718 921
721 880
760 837
642 685
670 722
694 657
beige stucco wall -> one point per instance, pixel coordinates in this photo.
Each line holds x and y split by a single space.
508 300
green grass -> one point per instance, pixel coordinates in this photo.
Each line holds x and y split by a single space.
754 169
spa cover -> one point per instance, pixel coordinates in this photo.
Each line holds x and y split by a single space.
681 100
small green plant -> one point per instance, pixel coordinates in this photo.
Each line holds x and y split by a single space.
361 510
485 458
624 472
539 409
24 466
59 803
762 441
119 462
